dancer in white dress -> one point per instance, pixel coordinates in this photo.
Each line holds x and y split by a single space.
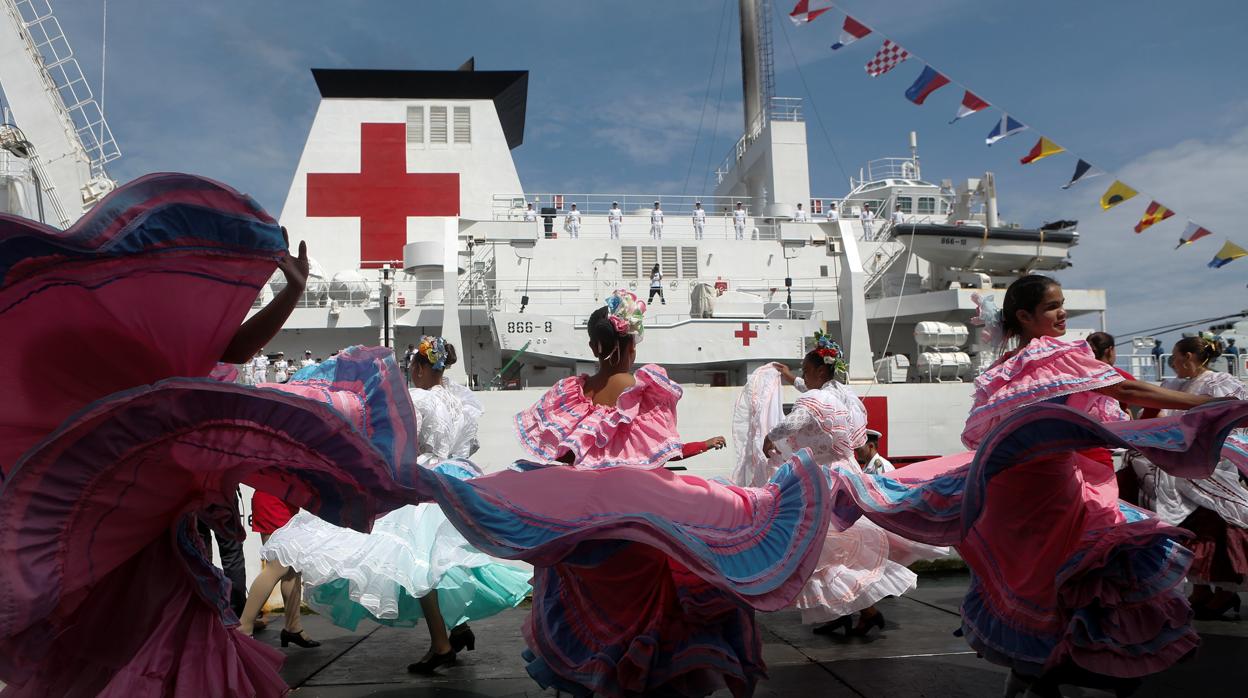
391 575
858 566
1215 509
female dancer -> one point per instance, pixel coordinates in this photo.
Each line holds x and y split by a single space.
101 510
1067 585
644 581
857 566
268 515
1215 509
412 564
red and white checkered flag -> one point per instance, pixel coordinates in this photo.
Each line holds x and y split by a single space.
886 58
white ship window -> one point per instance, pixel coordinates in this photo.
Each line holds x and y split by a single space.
649 257
906 204
927 204
628 262
463 124
669 262
689 262
416 125
437 124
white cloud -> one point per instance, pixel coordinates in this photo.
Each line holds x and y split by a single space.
1149 283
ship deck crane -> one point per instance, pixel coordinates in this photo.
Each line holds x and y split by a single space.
63 138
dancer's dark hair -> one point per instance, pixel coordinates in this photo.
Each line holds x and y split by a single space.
1101 343
1205 349
1024 294
607 343
451 357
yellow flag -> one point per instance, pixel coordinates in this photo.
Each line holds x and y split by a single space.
1116 194
1042 149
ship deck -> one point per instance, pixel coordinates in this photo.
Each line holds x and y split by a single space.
915 655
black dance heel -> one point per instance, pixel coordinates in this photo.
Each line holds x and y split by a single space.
831 627
297 638
865 624
430 662
463 639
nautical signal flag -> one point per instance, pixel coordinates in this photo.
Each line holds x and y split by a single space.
1006 127
1083 170
886 58
1116 194
929 81
1192 233
970 105
1041 150
1229 253
1155 214
807 11
851 31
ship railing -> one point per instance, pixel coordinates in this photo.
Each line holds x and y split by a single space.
511 207
778 109
1147 367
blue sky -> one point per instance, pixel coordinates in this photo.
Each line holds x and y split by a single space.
1154 90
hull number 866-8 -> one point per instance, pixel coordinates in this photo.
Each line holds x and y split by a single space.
529 327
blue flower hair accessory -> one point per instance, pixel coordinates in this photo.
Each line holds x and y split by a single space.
830 352
625 311
433 349
990 319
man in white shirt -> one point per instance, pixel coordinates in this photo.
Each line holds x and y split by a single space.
572 222
656 222
615 218
699 220
530 216
307 359
281 368
868 455
833 214
898 217
799 216
867 216
259 368
738 221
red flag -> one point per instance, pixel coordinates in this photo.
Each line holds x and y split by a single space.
970 105
807 11
1155 214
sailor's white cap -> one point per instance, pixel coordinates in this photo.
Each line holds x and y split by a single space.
872 432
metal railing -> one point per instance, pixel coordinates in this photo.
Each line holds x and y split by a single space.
778 109
511 207
1146 366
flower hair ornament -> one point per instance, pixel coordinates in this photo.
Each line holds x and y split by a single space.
625 311
991 320
830 352
433 349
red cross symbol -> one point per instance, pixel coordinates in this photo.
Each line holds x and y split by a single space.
383 194
745 334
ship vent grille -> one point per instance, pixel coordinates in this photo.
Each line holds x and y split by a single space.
416 125
628 262
649 257
463 124
689 262
670 269
437 124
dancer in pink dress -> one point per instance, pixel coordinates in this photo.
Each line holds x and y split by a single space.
645 581
108 463
1069 585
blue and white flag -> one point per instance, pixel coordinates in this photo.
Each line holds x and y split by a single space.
1006 127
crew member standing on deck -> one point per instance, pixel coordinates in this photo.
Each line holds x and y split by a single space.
699 220
656 222
738 221
898 217
615 218
833 214
656 285
799 216
259 368
530 216
572 222
281 368
867 216
868 455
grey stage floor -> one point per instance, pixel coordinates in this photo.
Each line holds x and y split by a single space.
916 655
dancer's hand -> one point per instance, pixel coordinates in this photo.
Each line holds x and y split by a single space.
786 374
295 269
715 442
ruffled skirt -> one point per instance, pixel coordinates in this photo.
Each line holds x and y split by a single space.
382 575
1062 573
645 582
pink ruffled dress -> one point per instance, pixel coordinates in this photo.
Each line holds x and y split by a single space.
639 431
645 581
107 463
1064 575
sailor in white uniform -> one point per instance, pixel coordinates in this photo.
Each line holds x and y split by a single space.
258 368
867 216
799 216
307 359
572 222
281 368
868 455
738 221
699 220
615 218
530 216
656 222
898 217
833 215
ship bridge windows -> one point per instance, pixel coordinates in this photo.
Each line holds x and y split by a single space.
906 204
927 204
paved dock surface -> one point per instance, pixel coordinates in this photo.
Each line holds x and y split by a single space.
916 655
